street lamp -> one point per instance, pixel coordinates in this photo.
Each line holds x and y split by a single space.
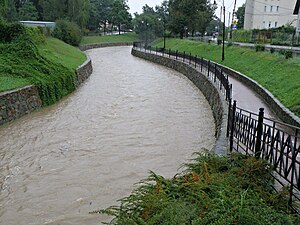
146 24
164 34
223 36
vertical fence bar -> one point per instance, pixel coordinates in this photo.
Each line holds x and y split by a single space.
195 61
215 78
228 119
183 56
259 132
208 67
176 54
294 157
232 126
201 63
190 58
169 53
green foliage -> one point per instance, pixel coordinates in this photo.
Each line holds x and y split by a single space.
273 71
21 60
189 16
272 50
28 12
68 32
212 190
120 15
288 54
240 14
259 48
242 36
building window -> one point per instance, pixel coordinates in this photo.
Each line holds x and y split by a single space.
271 8
264 24
270 23
275 25
277 8
265 8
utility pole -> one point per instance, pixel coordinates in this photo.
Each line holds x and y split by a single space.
223 47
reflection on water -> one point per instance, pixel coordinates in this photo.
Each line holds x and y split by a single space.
88 150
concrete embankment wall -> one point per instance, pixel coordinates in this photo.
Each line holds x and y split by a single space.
216 99
103 45
21 101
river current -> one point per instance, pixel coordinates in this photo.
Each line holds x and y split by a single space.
87 151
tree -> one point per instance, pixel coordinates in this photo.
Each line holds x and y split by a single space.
240 14
28 12
11 14
120 15
189 16
100 14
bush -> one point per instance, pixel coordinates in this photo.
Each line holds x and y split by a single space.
68 32
260 48
288 54
272 50
11 31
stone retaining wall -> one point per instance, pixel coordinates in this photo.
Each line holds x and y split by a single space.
103 45
280 110
19 102
16 103
216 99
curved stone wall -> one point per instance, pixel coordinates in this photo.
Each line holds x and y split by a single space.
21 101
215 98
103 45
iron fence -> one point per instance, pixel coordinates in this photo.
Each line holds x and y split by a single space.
253 133
271 140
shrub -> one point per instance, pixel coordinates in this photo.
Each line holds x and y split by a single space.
272 50
68 32
11 31
260 48
288 54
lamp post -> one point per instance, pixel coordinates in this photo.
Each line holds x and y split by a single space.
146 24
223 45
164 32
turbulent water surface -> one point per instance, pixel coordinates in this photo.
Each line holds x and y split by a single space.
87 151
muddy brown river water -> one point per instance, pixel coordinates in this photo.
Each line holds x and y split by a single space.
86 152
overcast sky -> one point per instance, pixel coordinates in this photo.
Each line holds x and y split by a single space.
136 5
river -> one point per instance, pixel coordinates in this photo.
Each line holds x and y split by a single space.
87 151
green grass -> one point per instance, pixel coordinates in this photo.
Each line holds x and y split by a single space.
212 190
280 76
128 37
57 51
28 57
54 51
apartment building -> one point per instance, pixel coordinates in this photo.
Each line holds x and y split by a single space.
265 14
297 12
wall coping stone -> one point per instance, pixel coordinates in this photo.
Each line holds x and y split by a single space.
213 95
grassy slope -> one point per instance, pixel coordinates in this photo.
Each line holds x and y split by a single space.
53 50
129 37
280 76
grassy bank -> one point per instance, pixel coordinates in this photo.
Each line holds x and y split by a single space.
28 57
128 37
213 190
277 74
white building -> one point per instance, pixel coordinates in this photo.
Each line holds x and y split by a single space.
297 12
265 14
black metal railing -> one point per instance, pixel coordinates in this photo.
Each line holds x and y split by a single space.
252 133
213 70
268 139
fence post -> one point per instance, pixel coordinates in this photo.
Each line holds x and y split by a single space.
195 61
208 67
190 58
232 126
201 63
176 54
169 53
183 56
259 132
215 78
294 158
